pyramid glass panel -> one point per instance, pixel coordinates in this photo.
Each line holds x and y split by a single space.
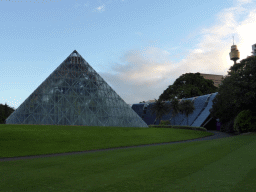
75 94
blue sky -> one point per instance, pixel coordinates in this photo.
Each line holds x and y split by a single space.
139 47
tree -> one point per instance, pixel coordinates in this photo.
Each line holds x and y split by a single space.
236 93
174 105
188 85
160 108
187 107
245 121
5 112
2 118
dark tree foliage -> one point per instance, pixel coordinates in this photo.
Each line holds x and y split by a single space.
160 108
5 112
175 107
236 93
189 85
187 107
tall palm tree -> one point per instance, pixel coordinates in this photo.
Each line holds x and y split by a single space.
174 105
160 108
187 107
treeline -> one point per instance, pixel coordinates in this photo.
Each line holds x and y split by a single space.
5 112
236 94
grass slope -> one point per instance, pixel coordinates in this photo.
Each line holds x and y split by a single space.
26 140
226 164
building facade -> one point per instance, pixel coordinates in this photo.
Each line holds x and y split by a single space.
199 118
215 78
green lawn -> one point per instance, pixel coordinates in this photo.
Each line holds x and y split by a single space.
24 140
226 164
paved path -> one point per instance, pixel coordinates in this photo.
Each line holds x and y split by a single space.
217 135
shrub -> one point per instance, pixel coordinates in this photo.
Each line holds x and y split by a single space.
179 127
245 121
167 122
228 127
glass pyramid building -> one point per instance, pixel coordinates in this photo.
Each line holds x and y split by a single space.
75 94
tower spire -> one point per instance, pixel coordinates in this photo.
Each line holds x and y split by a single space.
234 54
254 49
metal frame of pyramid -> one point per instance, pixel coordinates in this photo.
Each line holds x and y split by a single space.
75 94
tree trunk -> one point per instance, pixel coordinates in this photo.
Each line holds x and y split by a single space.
155 121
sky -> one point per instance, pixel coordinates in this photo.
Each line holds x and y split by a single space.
139 47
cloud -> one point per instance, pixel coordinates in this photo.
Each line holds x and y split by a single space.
244 1
143 75
100 8
142 71
246 34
